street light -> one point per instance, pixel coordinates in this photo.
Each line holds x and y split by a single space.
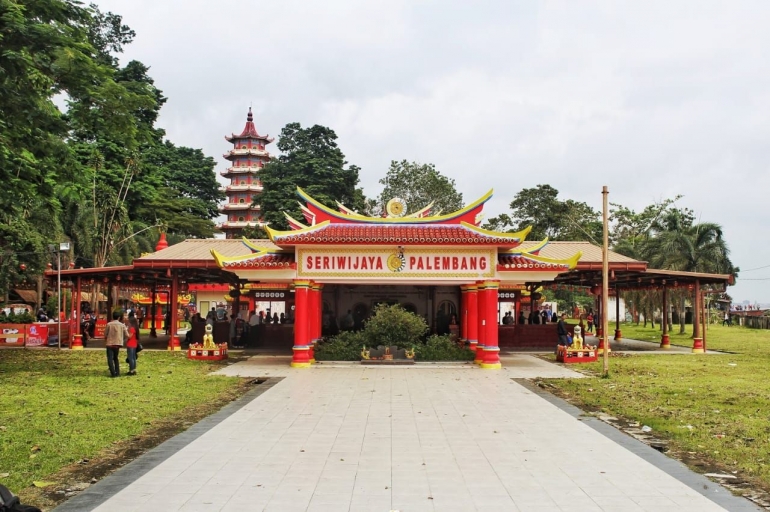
63 247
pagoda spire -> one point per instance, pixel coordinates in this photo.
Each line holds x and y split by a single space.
247 157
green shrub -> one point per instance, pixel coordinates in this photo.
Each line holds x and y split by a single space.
393 325
20 318
346 346
441 348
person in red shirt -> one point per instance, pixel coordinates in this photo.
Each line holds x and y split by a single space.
590 322
132 342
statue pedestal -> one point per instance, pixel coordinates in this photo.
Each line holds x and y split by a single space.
585 355
198 353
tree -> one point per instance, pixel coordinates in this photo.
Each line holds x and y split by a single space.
549 216
186 190
679 243
309 159
418 185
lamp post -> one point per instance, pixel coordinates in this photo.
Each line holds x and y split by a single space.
63 246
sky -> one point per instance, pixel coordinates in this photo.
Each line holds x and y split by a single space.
653 99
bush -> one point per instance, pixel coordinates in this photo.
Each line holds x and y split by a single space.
20 318
393 325
346 346
441 348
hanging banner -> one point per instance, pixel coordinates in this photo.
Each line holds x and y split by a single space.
401 262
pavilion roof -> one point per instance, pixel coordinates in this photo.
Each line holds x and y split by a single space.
396 234
197 251
590 255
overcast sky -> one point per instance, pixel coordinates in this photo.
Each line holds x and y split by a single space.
653 98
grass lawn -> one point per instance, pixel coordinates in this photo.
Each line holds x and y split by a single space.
716 407
60 407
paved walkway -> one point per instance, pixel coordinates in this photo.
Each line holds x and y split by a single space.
343 437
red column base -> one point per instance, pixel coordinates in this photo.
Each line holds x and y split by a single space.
173 343
301 357
665 343
697 346
479 354
77 342
491 358
618 335
600 348
311 351
472 345
599 332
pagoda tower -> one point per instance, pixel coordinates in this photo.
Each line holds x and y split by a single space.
246 158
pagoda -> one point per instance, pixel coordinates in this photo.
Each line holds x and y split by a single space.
246 159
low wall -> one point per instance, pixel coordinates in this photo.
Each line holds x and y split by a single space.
529 336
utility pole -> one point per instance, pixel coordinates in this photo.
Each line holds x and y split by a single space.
605 281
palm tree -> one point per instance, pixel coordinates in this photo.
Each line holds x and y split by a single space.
679 244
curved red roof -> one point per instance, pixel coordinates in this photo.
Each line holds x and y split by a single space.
249 131
404 234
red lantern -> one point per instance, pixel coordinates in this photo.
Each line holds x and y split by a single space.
72 264
23 267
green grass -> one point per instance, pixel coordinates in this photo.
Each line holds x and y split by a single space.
717 406
57 407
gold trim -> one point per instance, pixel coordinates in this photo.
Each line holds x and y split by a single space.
272 233
401 220
519 236
300 365
494 366
295 221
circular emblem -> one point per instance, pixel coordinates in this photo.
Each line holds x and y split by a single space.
396 262
396 207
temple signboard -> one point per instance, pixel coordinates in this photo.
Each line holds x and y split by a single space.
397 262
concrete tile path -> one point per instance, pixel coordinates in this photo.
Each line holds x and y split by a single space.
430 437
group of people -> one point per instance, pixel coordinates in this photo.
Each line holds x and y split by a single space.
544 316
122 331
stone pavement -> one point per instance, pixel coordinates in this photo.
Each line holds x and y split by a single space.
441 437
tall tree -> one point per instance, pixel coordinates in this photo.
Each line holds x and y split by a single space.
541 208
418 185
310 159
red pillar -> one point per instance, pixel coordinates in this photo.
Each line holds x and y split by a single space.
697 340
463 313
301 358
315 305
481 321
665 343
173 303
597 320
472 316
491 351
618 335
77 306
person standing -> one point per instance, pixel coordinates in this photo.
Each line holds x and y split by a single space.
132 343
115 335
590 322
561 331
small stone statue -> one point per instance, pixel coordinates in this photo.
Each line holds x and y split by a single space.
577 339
208 339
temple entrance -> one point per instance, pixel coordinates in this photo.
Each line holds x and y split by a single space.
438 305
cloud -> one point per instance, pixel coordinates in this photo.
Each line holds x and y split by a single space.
653 99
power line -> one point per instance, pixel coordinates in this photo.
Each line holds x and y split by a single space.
755 279
758 268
